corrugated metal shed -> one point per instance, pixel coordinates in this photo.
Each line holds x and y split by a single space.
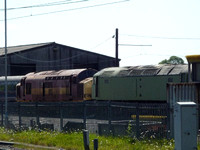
50 56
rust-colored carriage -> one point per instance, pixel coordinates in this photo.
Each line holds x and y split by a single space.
54 86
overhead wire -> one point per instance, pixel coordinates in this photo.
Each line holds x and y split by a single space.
160 37
58 65
152 55
102 43
65 10
64 2
43 61
45 4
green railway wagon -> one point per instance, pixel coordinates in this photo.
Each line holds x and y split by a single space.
139 83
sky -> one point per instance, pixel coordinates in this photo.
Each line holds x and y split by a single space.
166 27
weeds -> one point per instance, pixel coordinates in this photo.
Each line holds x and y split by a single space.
74 141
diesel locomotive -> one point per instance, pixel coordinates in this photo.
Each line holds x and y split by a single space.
55 86
139 83
134 83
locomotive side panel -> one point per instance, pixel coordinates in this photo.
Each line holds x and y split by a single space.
58 90
153 88
144 88
49 90
34 90
114 88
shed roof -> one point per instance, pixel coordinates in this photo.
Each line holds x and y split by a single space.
143 70
21 48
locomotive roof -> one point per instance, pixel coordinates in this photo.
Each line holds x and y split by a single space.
143 70
69 72
86 80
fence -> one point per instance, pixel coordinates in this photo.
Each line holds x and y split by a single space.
105 118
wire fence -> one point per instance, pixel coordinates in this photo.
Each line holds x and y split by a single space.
138 120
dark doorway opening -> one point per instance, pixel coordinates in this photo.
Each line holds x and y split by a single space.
92 65
22 69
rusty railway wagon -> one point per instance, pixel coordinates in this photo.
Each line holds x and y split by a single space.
51 86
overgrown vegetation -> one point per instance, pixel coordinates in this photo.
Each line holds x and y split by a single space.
74 141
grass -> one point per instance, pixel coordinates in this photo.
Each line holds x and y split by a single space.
74 141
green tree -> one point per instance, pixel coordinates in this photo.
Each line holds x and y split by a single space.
174 60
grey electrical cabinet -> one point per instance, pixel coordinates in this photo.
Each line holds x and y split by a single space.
185 126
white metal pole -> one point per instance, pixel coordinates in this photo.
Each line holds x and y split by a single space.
6 90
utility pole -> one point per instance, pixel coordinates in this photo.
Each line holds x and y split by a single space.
117 45
116 48
6 90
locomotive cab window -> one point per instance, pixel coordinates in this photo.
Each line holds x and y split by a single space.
28 88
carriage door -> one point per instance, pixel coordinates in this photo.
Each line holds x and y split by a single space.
96 82
23 86
43 89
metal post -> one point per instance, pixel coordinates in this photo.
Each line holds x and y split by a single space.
95 144
109 117
32 125
168 120
19 114
189 72
85 114
2 114
61 117
116 48
6 90
86 139
137 122
37 115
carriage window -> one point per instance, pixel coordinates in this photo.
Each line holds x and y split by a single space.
28 88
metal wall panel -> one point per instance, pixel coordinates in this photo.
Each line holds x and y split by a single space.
181 92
